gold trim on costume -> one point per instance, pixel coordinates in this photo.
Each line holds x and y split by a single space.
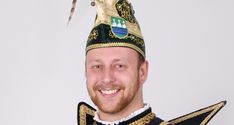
145 120
164 123
215 109
83 111
115 44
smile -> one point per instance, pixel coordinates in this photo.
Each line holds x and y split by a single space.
109 92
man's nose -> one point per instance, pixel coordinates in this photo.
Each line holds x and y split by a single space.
108 76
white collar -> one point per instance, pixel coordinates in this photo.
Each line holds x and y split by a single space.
135 113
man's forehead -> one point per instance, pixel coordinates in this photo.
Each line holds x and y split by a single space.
111 53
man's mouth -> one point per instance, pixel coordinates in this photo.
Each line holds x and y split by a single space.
109 92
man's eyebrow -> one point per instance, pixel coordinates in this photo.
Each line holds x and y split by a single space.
93 60
116 60
120 60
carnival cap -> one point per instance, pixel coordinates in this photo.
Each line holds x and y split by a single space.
115 26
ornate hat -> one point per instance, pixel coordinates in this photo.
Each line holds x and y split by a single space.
115 26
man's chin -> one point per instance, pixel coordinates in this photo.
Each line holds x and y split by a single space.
110 108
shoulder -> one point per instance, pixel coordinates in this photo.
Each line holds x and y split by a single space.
158 121
85 114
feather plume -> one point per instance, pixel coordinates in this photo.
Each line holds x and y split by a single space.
72 10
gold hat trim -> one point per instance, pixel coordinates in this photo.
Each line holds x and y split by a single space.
115 44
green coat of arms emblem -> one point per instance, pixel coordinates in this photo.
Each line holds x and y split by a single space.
118 27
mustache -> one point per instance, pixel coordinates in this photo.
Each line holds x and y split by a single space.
109 86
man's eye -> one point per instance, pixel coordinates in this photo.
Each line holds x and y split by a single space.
120 66
96 67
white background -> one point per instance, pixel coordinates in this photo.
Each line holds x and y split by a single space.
190 47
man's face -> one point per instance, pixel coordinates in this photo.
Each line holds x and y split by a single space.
113 78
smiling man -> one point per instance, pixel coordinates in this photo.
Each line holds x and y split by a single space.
116 70
115 77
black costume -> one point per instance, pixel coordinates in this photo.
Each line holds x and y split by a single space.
199 117
86 114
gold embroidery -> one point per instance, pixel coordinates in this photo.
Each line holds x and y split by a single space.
133 28
93 35
116 44
145 120
164 123
132 37
83 111
125 11
94 123
137 40
106 9
215 108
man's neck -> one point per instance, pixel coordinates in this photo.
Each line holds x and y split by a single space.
132 114
121 114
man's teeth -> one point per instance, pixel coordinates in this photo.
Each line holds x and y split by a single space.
108 92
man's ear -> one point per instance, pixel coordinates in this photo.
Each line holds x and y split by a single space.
143 71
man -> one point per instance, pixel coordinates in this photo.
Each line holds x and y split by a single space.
115 77
116 70
116 67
